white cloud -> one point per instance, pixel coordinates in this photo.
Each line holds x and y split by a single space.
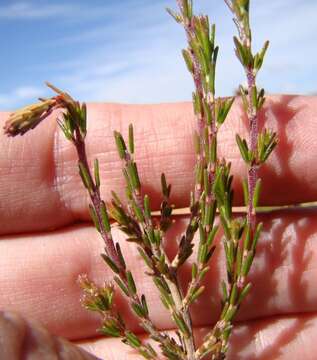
157 74
29 10
134 59
33 10
20 95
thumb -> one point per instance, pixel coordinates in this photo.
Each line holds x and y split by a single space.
26 339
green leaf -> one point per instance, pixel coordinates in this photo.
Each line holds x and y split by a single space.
147 209
161 285
85 176
94 217
132 340
120 256
145 257
264 48
209 254
239 258
227 254
179 321
197 104
165 301
144 303
245 291
83 120
213 150
210 213
151 351
133 175
166 189
199 173
244 96
196 139
203 273
223 109
243 147
254 93
259 58
188 61
137 212
138 310
196 294
131 139
104 217
256 194
202 253
224 291
245 192
247 263
174 15
111 263
157 236
121 285
212 78
243 53
111 331
257 235
145 353
234 294
121 147
194 270
212 235
225 225
247 238
65 129
224 310
118 214
116 200
202 235
231 312
207 112
244 5
215 55
151 235
96 173
131 283
212 34
206 182
270 146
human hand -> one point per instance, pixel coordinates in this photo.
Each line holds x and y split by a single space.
47 241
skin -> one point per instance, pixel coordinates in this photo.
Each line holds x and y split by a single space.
47 240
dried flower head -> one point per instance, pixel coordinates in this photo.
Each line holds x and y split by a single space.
28 117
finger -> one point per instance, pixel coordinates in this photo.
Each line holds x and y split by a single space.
42 284
40 187
276 338
28 340
288 337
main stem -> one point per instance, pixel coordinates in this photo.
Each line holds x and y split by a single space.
188 26
172 281
253 140
178 297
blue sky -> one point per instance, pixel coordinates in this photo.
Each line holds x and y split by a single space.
129 50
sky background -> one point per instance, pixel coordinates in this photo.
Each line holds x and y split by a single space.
129 50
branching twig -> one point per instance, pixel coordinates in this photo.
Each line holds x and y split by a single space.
212 190
240 254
